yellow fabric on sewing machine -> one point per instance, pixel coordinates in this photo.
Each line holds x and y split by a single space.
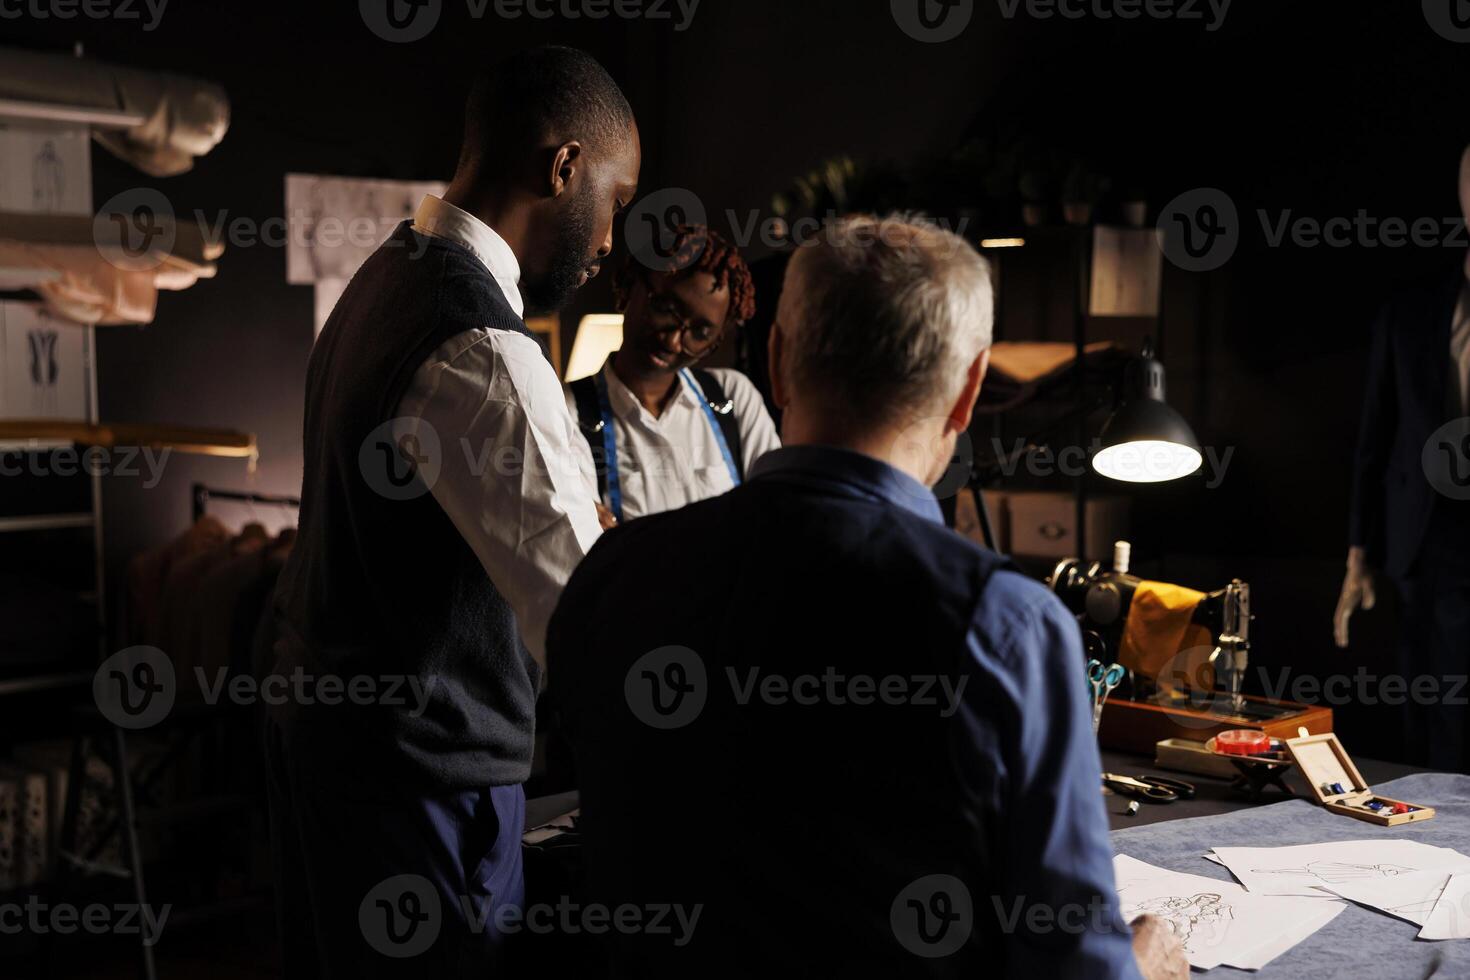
1158 630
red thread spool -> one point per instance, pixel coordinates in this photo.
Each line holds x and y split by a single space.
1242 741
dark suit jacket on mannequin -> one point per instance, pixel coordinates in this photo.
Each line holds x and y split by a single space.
1418 536
1406 398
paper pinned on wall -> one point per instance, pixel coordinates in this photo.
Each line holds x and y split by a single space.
44 371
1219 922
335 223
1127 272
1301 869
45 169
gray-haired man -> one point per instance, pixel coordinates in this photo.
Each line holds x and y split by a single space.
840 738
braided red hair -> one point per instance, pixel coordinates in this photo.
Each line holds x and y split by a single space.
697 249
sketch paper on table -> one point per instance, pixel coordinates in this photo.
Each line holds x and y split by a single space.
1450 917
1290 935
1299 869
1218 922
1409 897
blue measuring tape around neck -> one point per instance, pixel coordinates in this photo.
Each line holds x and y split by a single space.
610 439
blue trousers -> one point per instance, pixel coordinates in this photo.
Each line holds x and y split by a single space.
412 887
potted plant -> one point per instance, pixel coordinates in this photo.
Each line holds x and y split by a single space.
1081 192
1035 190
1134 205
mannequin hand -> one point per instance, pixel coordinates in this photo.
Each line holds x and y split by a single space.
1357 590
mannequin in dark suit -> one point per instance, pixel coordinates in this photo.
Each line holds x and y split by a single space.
1401 524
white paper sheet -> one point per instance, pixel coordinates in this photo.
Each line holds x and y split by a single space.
1409 897
1450 918
1298 870
1257 958
1219 922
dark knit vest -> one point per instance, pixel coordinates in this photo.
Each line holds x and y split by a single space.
380 584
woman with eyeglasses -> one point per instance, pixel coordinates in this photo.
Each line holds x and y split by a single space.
664 432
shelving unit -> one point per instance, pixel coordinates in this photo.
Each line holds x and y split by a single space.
1069 249
51 526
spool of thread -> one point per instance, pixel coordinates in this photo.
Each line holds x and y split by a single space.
1122 555
1242 741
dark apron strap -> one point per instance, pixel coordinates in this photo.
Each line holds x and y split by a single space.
724 410
589 420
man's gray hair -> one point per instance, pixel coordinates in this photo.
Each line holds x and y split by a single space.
883 315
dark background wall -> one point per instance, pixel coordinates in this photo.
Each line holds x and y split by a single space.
1322 111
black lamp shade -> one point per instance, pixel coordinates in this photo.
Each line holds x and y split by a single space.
1146 441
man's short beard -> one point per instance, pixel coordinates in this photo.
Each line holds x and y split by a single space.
550 292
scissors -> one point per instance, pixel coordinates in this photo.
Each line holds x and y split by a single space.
1149 789
1101 680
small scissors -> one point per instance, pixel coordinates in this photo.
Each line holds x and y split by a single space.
1149 789
1101 680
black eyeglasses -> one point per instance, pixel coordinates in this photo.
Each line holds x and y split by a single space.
698 338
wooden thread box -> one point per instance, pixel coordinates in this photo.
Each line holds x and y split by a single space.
1324 762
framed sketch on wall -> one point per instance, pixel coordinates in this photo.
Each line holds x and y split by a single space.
335 223
44 364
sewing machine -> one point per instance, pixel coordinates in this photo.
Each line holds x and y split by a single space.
1193 695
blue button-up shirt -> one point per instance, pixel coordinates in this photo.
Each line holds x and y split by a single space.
842 834
1028 752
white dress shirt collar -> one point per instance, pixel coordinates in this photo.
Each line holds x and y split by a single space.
441 219
625 404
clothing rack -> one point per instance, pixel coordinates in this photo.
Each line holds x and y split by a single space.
202 495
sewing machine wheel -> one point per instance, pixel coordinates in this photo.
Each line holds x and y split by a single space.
1104 603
